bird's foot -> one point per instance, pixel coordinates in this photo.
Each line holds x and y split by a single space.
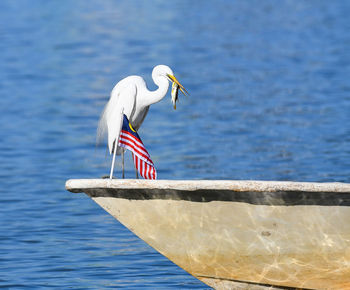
107 176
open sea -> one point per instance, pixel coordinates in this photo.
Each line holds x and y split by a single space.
269 85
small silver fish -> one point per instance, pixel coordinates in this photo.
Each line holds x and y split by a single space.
174 94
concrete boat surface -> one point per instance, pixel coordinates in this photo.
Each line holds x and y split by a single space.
238 234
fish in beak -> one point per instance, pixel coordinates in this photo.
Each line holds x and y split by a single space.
175 89
174 94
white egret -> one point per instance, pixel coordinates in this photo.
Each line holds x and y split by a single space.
131 97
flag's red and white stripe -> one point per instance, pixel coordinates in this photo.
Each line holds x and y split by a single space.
142 160
145 169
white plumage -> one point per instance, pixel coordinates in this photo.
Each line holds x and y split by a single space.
131 97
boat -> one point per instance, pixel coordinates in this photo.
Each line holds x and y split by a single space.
237 234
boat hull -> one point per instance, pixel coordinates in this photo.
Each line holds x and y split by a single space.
239 238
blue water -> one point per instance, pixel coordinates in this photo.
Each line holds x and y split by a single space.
270 100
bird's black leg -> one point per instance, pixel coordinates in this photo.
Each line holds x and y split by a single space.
123 173
136 172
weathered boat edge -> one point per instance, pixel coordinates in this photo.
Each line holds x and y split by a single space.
78 185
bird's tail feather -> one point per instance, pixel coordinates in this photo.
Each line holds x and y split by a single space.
102 127
114 127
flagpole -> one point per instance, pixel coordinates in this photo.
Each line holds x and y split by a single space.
113 160
115 146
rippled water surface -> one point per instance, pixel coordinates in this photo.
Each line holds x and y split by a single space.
270 100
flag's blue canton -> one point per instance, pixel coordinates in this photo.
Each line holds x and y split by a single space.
127 127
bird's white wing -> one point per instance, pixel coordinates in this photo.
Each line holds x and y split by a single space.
102 127
121 102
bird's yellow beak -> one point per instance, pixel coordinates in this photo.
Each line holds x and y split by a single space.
181 87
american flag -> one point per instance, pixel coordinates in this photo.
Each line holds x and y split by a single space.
129 139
